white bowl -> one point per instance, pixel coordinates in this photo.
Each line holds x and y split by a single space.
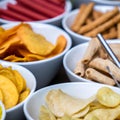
45 70
69 18
71 59
3 111
55 21
16 112
107 2
76 89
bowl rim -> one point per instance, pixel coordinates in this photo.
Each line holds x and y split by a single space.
68 8
55 86
14 66
68 46
67 69
3 110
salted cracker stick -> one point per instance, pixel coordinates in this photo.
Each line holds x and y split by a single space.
84 16
96 14
80 69
91 50
98 77
101 64
105 17
77 18
104 26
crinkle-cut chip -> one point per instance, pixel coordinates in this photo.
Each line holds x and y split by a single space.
20 81
104 114
1 95
24 95
7 46
14 58
7 72
46 114
9 91
9 32
107 97
35 43
60 103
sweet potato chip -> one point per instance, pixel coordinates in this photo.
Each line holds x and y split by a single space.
24 95
10 92
35 43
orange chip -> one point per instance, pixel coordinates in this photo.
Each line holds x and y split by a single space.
1 95
35 43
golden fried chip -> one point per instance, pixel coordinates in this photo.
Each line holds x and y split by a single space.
24 95
107 97
35 43
20 81
1 95
1 30
9 91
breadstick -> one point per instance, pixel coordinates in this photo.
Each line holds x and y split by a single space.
77 18
118 30
96 14
84 16
105 17
92 48
102 53
80 69
104 26
98 77
101 64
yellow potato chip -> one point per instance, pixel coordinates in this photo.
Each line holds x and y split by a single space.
24 95
108 97
1 95
1 30
20 81
9 91
35 43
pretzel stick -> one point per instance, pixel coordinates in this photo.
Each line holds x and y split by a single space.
84 16
98 77
105 17
118 30
77 18
104 26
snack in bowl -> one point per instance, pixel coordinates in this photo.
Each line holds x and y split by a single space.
2 111
16 85
21 43
87 100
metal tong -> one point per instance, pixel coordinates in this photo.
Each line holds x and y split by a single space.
111 54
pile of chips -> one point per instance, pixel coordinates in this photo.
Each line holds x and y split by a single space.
21 44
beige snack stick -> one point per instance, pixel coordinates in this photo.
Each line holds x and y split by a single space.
96 14
105 17
104 26
80 69
101 64
84 16
102 53
91 50
118 30
98 77
77 18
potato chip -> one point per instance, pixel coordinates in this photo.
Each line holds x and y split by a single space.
108 97
103 114
1 30
24 95
1 95
35 43
59 103
46 114
9 91
20 81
